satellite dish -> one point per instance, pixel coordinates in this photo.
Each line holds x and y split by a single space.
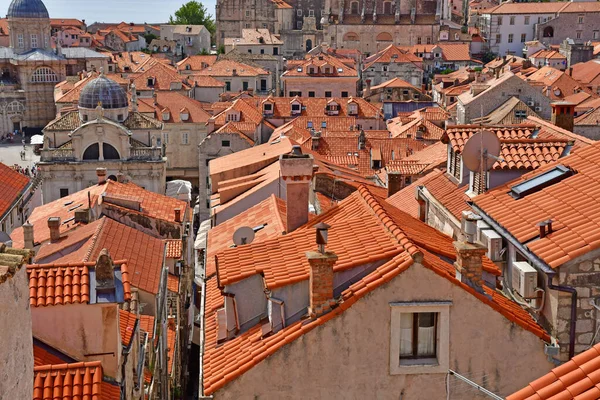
243 235
481 148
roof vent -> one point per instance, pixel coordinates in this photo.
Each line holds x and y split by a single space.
540 182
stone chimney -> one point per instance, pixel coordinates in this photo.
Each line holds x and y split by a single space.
321 275
368 88
101 174
362 139
178 215
105 272
54 227
315 137
28 235
469 254
296 171
82 215
563 115
395 182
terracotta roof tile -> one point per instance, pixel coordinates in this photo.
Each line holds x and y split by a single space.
127 326
394 54
203 81
171 345
405 199
395 83
530 154
12 186
175 102
254 36
225 68
525 8
445 191
147 325
163 76
590 118
588 73
196 63
44 355
69 240
57 284
172 283
174 247
225 362
300 68
315 107
578 378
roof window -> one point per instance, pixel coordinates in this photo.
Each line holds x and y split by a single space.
540 182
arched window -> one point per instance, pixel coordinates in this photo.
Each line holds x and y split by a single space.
354 7
384 37
350 36
308 45
387 7
93 152
548 31
15 107
44 74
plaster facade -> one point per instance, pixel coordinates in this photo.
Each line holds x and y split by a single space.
191 39
382 72
581 27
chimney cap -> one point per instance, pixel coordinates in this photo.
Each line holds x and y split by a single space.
296 150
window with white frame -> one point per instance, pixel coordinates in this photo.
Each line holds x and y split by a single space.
165 138
20 41
420 337
527 20
510 37
44 74
185 138
34 41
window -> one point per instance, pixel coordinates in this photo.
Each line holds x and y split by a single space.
311 13
580 19
540 182
34 43
120 117
64 192
299 12
85 117
527 20
298 24
327 94
498 38
428 40
268 107
419 337
262 51
245 85
247 26
165 138
523 37
512 20
344 94
185 138
384 68
228 86
408 180
510 37
499 20
247 13
296 107
249 51
20 41
595 35
387 7
275 51
419 40
323 124
225 143
311 94
520 114
578 34
44 74
354 7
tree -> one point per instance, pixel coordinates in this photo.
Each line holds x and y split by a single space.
193 13
150 37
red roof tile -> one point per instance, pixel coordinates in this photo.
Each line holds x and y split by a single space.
196 63
127 326
12 186
56 284
203 81
566 203
406 200
300 68
394 54
227 361
147 325
226 68
172 283
445 191
163 76
44 356
69 240
315 107
578 378
174 247
175 103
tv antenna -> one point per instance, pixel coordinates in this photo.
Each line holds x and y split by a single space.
480 153
243 235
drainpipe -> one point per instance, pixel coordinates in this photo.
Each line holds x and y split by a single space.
568 289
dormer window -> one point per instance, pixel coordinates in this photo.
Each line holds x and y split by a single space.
188 67
151 81
184 115
352 109
268 108
311 70
296 108
233 116
166 114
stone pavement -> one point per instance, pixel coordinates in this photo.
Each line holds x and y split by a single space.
10 154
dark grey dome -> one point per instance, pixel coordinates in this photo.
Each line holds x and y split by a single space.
27 9
103 90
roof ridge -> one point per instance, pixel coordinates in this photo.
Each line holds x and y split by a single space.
94 239
389 223
79 364
278 211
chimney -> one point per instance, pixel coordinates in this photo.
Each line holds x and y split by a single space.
121 178
296 171
315 138
178 215
28 235
563 115
54 226
82 215
101 174
362 139
570 71
105 275
368 89
321 275
469 254
395 182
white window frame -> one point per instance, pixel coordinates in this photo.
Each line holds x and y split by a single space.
185 138
44 74
20 41
442 361
165 137
34 41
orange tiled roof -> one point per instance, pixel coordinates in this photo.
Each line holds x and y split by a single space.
588 73
147 325
57 284
225 68
44 355
590 118
530 154
176 102
127 325
445 191
394 54
549 131
566 203
163 76
172 283
203 81
556 84
281 4
405 199
227 361
301 67
12 186
81 381
174 248
578 378
396 83
69 240
196 63
315 107
427 129
525 8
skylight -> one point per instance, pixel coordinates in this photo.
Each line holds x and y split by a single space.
540 182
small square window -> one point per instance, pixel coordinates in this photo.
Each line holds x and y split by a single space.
225 143
64 192
344 94
299 12
512 20
526 20
311 94
580 19
327 94
247 13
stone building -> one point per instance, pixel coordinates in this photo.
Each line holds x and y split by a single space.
576 20
103 133
393 62
190 39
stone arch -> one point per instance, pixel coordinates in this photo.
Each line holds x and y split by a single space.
384 37
44 74
308 44
14 107
548 31
354 8
351 36
93 152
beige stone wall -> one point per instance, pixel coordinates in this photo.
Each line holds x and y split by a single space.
16 356
319 85
25 28
408 72
182 153
354 350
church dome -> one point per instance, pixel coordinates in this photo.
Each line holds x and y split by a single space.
27 9
105 91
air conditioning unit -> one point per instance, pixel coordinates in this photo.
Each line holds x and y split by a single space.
524 279
493 241
531 103
538 109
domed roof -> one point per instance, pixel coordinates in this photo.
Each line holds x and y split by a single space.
105 91
27 9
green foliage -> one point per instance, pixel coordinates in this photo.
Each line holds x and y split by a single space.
487 57
193 13
150 37
221 49
477 69
447 71
204 52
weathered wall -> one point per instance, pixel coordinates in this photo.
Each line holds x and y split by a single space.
16 356
319 86
182 153
354 349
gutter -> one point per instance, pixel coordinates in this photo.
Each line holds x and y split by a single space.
540 265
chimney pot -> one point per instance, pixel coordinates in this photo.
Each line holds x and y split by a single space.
105 276
469 226
542 227
101 174
549 225
320 282
28 235
296 171
178 215
54 226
